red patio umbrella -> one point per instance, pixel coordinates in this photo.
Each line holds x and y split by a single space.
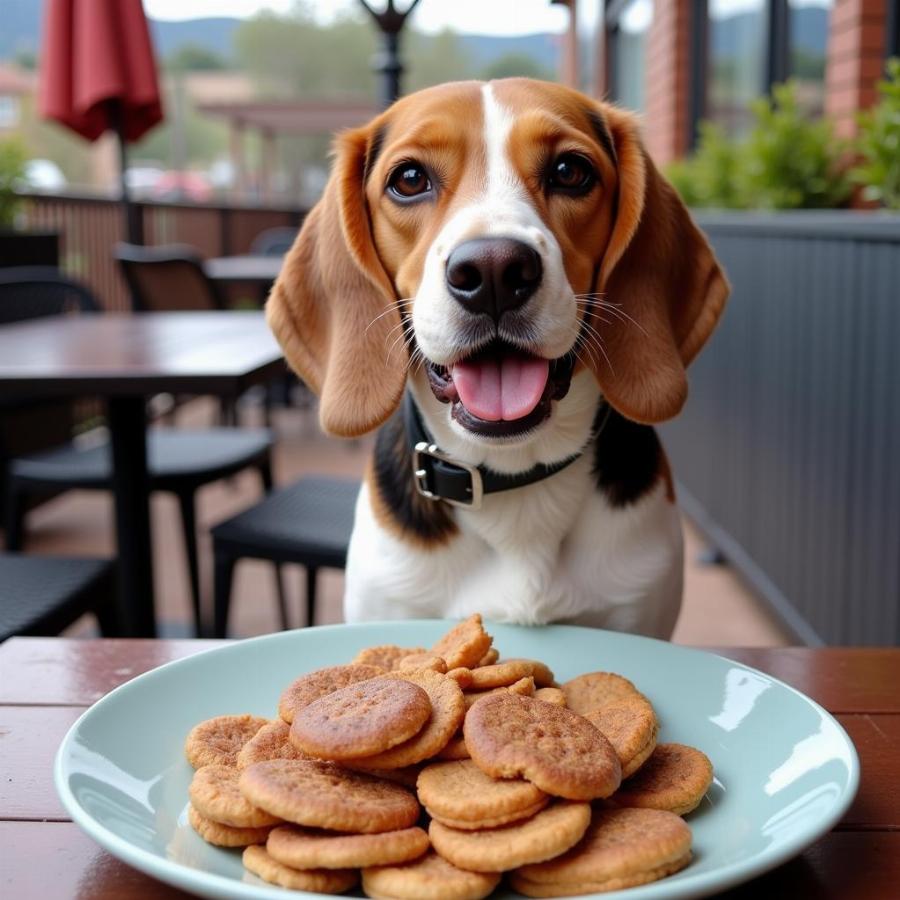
98 74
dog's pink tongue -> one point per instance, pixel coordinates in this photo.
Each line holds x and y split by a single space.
501 389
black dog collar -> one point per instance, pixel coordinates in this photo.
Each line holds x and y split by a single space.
438 476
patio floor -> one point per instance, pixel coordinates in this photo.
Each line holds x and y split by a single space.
718 608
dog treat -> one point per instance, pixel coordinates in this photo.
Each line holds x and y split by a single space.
447 711
417 661
465 644
304 848
492 751
385 656
309 688
272 741
543 676
318 880
524 687
675 778
459 794
225 835
555 748
215 794
432 877
630 725
323 795
218 741
551 695
622 848
594 690
544 836
361 719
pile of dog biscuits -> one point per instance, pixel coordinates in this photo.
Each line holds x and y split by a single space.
430 774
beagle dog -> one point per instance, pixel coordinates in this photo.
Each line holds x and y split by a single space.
498 279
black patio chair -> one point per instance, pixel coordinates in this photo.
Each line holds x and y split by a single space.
41 595
179 461
308 522
274 241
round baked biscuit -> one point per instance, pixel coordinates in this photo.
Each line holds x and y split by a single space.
492 821
630 725
461 791
304 848
215 794
310 687
499 675
407 776
318 880
272 741
456 749
323 795
425 660
574 889
524 687
489 658
621 848
550 695
465 644
448 709
218 741
541 672
361 719
675 778
556 749
225 835
385 656
593 690
544 836
431 877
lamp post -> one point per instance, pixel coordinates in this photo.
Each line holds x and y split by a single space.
390 22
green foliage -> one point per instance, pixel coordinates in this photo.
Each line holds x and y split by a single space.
512 65
195 58
12 170
789 161
879 143
786 161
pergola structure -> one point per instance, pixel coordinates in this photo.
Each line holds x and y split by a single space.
273 118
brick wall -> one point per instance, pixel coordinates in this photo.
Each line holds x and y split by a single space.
667 119
855 60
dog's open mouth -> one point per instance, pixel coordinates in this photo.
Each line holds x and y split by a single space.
501 390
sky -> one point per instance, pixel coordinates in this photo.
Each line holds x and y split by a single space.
476 16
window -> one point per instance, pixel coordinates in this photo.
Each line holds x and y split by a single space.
737 39
9 111
629 24
808 41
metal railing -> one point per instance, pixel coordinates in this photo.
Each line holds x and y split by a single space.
89 226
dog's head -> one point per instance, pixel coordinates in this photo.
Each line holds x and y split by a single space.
503 235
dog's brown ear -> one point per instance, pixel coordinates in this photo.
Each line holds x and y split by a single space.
659 271
333 308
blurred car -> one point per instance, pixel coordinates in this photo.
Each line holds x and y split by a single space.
193 187
143 179
44 175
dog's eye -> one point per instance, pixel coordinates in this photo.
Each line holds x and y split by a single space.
571 174
409 180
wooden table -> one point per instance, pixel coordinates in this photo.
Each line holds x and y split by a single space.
45 684
125 359
257 272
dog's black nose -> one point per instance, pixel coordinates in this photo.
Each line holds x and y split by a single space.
493 275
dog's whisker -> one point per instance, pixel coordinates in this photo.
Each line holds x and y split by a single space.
406 301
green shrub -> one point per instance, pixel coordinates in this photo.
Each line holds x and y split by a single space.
786 161
879 143
789 161
12 170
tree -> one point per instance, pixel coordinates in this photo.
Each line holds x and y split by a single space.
512 65
194 58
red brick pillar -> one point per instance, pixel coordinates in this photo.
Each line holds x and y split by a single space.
667 117
855 60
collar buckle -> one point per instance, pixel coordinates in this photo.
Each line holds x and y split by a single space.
426 458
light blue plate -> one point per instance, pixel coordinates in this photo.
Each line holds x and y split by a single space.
785 770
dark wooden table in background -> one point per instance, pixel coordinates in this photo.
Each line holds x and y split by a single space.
125 359
46 683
